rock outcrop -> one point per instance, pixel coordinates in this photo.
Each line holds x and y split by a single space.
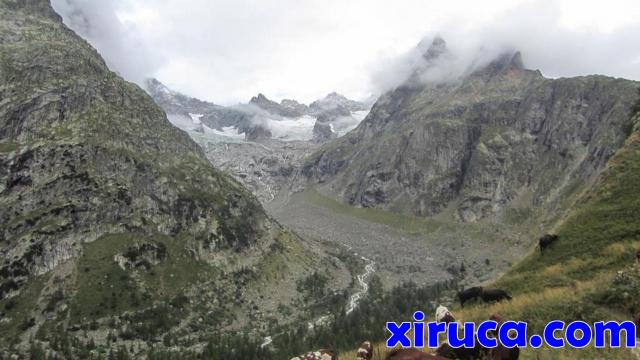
496 137
323 131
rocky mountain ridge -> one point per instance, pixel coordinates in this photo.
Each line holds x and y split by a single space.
255 119
498 140
114 226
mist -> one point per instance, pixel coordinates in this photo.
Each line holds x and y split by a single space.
228 51
536 29
121 45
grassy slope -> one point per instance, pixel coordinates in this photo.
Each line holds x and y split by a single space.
575 279
411 225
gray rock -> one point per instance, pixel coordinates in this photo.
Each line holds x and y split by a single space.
501 137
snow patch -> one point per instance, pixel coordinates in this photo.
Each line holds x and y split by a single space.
290 129
196 118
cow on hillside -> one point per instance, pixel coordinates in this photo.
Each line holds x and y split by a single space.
365 352
492 295
546 241
445 350
444 315
500 352
412 354
469 294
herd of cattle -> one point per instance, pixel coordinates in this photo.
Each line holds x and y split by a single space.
445 351
487 295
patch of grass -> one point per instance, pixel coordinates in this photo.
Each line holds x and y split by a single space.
19 310
600 237
578 277
104 288
8 147
406 223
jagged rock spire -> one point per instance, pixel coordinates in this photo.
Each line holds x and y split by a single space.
437 48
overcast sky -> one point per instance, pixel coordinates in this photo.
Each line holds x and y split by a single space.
227 51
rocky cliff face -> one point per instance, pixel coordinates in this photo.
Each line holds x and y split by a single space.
91 154
108 206
501 136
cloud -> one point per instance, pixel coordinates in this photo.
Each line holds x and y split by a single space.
122 45
226 51
550 40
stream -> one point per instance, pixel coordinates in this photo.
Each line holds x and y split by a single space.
363 280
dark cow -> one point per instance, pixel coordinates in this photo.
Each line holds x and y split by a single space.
412 354
492 295
638 257
503 353
365 352
636 320
498 319
546 241
445 350
322 354
469 294
500 352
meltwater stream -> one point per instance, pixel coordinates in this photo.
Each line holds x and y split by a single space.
354 300
363 280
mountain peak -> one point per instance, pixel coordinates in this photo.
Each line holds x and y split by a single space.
508 61
154 85
437 47
286 108
334 100
260 99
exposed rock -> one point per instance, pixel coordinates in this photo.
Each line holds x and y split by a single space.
174 102
323 132
294 108
257 132
437 48
502 136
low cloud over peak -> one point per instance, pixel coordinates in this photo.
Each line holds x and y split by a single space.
228 51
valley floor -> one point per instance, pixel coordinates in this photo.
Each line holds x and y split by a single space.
404 249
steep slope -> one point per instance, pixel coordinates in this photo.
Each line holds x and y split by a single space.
494 143
590 274
112 221
174 102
